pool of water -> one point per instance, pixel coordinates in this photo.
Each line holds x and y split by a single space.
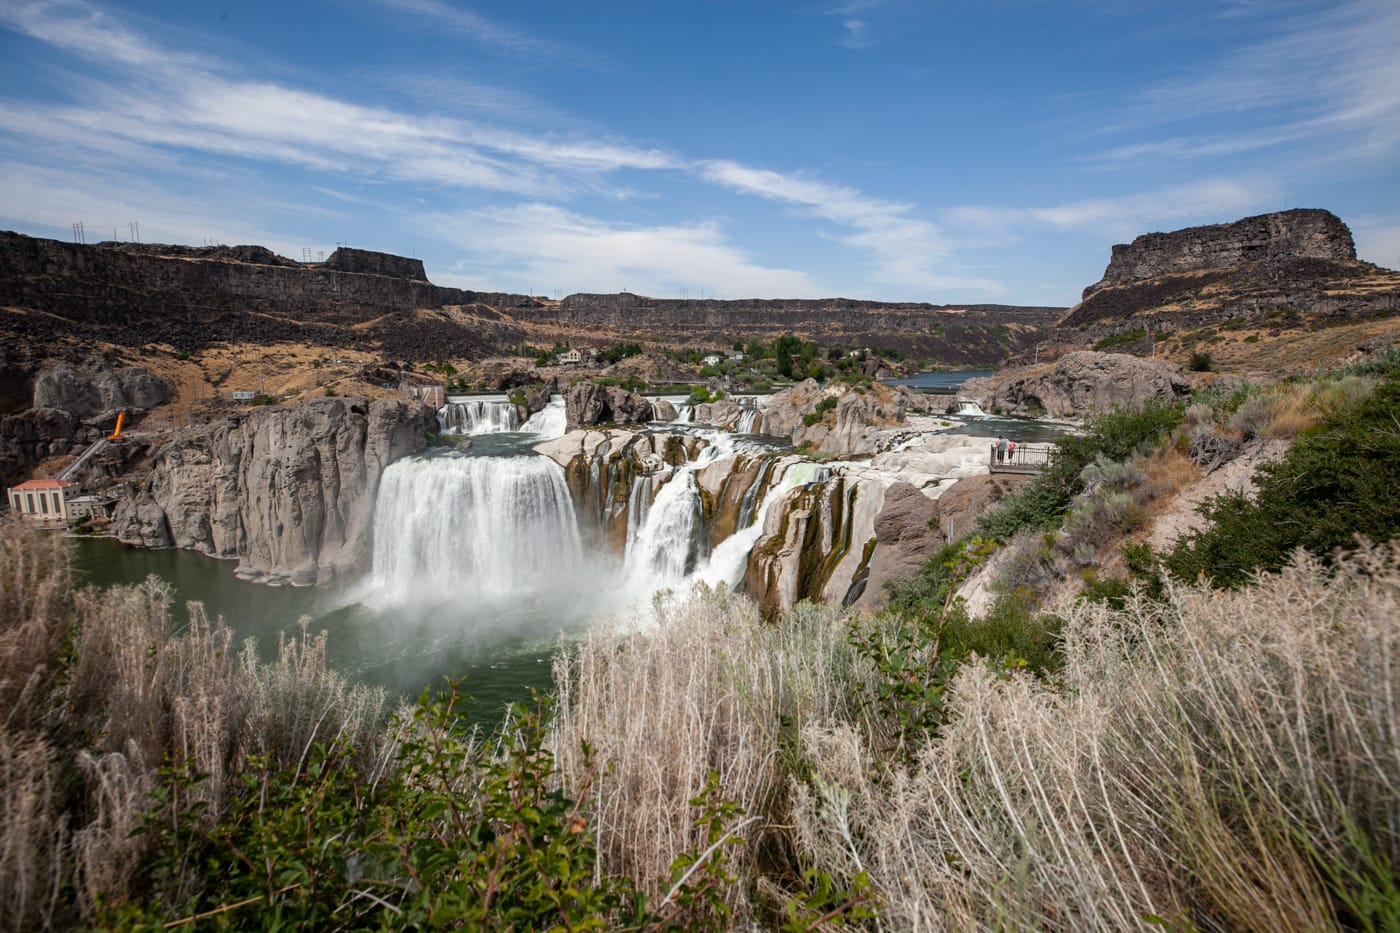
402 649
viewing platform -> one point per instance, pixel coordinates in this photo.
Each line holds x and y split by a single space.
1026 458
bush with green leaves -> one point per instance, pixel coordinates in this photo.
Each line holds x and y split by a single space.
1114 437
1339 481
461 833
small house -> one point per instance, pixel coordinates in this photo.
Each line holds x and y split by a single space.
90 507
44 500
244 395
714 359
736 356
568 357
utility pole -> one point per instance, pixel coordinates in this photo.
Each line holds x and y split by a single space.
78 235
135 229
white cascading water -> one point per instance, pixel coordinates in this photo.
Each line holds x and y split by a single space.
748 420
473 529
550 421
685 414
479 416
730 559
967 406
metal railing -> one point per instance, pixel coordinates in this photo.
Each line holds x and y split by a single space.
1026 458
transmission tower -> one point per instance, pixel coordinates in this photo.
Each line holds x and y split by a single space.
78 235
135 229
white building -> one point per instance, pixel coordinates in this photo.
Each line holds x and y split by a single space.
714 359
44 500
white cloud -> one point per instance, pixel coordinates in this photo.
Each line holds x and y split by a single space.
488 32
906 250
1209 201
540 247
1331 74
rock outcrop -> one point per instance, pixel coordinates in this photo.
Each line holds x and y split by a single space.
848 423
1080 384
134 294
588 404
94 391
1286 235
288 491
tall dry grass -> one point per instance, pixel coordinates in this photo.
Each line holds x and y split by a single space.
709 688
1224 761
102 689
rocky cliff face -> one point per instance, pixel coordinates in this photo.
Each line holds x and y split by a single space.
187 297
1080 384
957 334
288 491
93 391
1271 276
1296 234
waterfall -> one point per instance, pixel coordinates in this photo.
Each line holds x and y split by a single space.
479 416
749 421
730 559
664 547
968 406
549 422
473 529
685 414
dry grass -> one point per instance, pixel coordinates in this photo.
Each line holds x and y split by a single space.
79 753
710 688
1223 761
35 619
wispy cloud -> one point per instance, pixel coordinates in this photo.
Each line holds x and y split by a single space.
1121 218
1330 74
171 101
465 22
856 32
905 249
541 246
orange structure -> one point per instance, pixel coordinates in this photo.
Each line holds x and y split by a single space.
117 434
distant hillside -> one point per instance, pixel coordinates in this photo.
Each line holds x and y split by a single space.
189 298
1276 289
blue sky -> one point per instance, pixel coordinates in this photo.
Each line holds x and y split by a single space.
952 152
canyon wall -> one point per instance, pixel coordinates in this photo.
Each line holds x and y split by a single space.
288 491
1295 234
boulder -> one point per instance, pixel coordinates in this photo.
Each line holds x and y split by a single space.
589 404
1080 384
88 393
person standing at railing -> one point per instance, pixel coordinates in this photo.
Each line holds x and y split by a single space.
1011 450
1001 449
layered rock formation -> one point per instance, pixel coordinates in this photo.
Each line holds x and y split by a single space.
958 334
1286 235
1273 275
288 491
849 422
186 297
1079 384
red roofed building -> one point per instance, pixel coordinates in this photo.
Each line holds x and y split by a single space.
43 499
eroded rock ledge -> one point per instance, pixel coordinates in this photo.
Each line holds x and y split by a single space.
288 491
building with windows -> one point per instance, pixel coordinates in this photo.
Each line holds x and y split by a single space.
44 500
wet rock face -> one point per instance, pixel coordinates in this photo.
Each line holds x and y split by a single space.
87 393
588 404
1080 384
1296 234
289 491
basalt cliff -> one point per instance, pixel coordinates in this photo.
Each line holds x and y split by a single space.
1276 292
288 491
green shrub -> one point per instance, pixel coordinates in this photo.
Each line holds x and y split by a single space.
1116 436
1200 362
1339 481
